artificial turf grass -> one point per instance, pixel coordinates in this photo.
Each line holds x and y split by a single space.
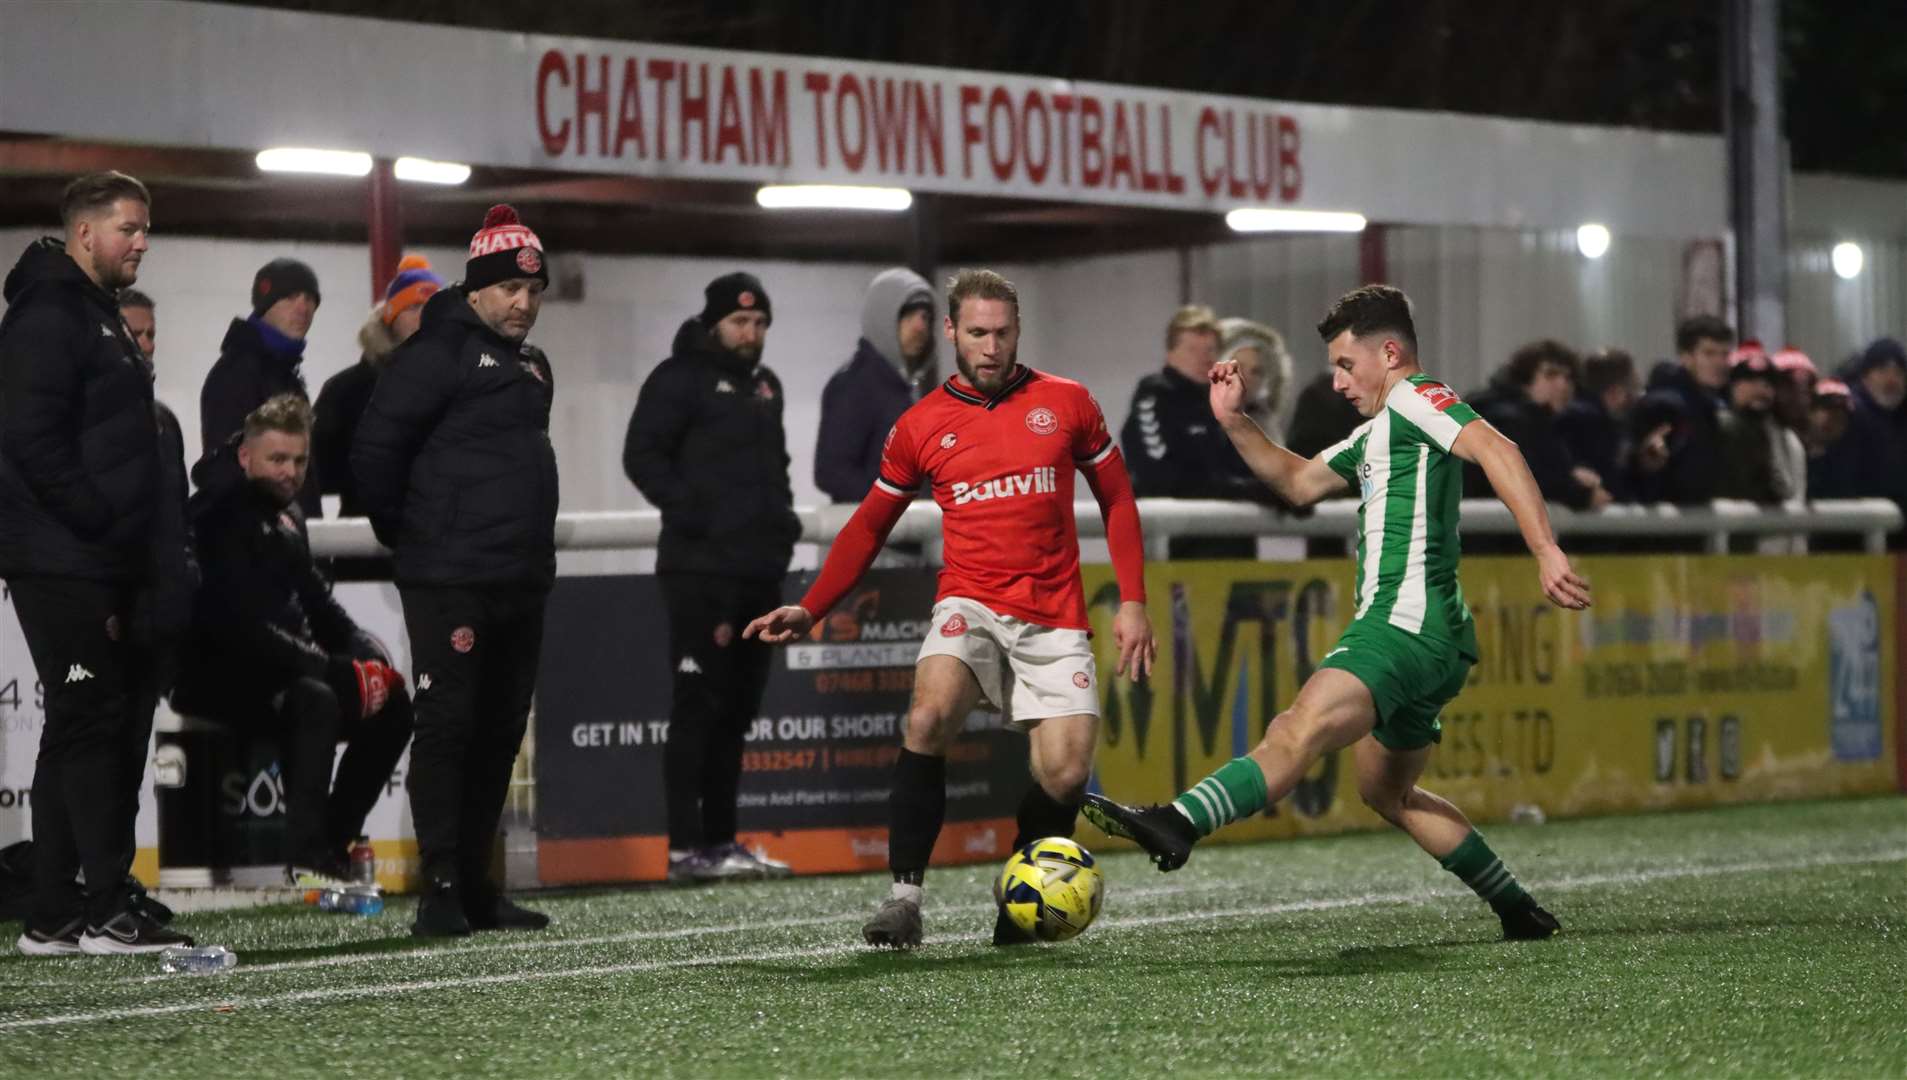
1335 956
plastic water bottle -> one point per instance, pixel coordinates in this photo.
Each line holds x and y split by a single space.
351 901
204 960
363 862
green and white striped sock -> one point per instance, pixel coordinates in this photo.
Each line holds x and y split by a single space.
1236 790
1479 868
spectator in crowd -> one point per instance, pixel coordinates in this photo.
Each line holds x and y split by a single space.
1677 424
344 396
706 446
1795 376
1594 425
1320 419
455 466
892 367
1750 433
260 358
163 607
272 650
1264 365
80 489
1173 446
1830 471
1876 443
1523 402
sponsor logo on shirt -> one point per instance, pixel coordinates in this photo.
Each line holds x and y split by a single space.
1041 481
1439 396
1041 421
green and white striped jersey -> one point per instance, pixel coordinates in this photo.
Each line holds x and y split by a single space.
1409 485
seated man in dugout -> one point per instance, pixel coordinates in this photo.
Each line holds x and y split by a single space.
271 650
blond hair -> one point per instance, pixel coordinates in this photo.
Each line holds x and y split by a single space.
979 285
1190 319
287 414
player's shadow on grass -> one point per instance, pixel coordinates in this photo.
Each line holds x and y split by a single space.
886 964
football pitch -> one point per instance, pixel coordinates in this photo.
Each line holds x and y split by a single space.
1754 941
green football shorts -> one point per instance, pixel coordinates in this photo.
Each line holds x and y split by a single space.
1410 678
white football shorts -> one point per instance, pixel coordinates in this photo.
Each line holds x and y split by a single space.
1026 671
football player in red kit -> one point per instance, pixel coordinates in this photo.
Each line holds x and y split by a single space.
1009 634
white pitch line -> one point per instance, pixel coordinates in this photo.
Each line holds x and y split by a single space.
1416 896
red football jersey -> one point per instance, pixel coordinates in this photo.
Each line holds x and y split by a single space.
1002 470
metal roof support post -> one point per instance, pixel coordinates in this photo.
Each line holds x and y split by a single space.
383 226
1757 203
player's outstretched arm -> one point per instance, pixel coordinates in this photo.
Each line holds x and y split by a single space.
1510 477
1298 481
849 557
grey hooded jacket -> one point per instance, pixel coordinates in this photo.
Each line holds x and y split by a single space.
868 393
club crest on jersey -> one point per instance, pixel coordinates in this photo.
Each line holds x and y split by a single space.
463 639
1439 396
1041 481
1041 421
1081 680
954 626
947 441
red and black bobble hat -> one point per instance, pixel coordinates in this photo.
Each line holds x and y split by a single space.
504 248
1750 361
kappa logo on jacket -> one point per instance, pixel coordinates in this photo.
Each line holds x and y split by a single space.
723 386
76 673
105 331
487 361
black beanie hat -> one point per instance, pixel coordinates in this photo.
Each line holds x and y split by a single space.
504 248
280 278
739 291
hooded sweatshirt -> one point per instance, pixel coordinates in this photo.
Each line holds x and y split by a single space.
866 395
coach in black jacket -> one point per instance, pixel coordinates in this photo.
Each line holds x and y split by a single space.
261 357
456 470
80 488
706 445
270 647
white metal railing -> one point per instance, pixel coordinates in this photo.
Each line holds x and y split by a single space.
1872 519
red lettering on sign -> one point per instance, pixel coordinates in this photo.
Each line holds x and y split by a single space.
694 110
629 111
1290 172
1174 182
1063 105
1121 149
728 121
928 133
852 134
970 132
592 103
1148 180
888 105
1208 178
1035 106
662 73
1092 152
555 140
1001 102
768 117
816 83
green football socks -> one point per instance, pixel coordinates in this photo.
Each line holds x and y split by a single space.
1479 868
1235 791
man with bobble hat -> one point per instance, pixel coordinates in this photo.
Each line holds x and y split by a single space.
457 473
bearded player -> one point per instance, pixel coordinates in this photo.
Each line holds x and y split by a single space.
1009 634
1411 643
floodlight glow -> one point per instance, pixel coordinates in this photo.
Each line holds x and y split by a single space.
304 160
424 171
1592 240
1265 219
1848 260
833 197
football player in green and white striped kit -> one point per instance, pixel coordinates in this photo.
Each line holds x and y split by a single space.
1411 642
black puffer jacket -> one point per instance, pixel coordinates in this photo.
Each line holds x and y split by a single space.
1693 413
264 617
248 374
79 445
706 446
453 457
1176 450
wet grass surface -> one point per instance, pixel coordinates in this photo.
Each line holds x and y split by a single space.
1756 941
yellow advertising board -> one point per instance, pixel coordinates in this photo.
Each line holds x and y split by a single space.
1694 680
